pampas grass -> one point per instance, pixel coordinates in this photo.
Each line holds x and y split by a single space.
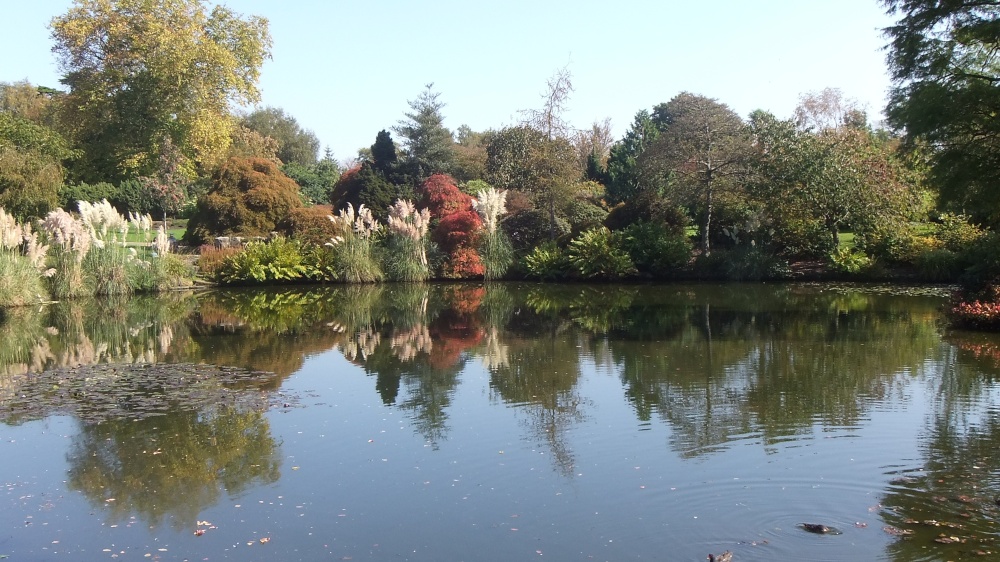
354 248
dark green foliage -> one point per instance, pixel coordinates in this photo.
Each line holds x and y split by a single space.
249 197
295 144
547 262
945 96
366 186
743 263
508 153
530 228
91 193
623 177
316 182
131 195
30 167
429 145
384 158
647 207
599 254
656 249
583 215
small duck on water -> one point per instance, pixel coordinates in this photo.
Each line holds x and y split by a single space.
724 557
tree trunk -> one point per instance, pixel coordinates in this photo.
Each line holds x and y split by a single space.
706 248
834 232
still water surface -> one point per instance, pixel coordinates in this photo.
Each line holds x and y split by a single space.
508 422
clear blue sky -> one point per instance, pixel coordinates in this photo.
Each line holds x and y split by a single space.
345 69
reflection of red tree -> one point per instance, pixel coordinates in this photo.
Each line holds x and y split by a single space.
453 332
464 300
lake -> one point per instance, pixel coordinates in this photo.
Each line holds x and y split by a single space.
500 422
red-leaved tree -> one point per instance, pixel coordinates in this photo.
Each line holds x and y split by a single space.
458 226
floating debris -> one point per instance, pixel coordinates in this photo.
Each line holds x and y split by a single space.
819 529
97 393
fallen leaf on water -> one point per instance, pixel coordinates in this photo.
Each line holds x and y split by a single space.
264 540
199 532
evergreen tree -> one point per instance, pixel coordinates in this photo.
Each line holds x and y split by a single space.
429 145
623 178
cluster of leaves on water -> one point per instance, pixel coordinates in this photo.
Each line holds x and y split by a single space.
97 393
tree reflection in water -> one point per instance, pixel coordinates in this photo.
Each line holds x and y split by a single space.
172 466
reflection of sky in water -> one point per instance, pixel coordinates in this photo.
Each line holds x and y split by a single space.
569 430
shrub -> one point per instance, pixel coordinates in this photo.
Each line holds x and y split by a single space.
583 215
598 254
463 263
442 198
528 229
308 224
955 232
92 193
547 262
249 197
976 315
850 261
894 244
938 265
277 260
755 263
210 259
656 249
650 208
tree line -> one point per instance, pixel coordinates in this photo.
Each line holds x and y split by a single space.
145 118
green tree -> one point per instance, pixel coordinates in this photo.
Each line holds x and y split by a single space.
945 69
624 179
839 177
428 144
316 181
702 151
295 144
142 70
31 169
384 157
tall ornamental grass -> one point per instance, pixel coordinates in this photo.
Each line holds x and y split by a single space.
495 249
21 257
406 255
354 248
69 242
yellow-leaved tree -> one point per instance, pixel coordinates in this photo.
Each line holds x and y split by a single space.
143 71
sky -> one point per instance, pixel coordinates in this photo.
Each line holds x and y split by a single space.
346 69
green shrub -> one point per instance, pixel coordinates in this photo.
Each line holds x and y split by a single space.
743 263
278 260
894 244
598 254
92 193
656 249
582 215
528 229
938 265
955 232
850 261
546 262
755 263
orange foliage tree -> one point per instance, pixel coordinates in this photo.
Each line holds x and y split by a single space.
249 197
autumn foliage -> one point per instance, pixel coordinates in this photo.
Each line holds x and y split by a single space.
457 227
249 197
